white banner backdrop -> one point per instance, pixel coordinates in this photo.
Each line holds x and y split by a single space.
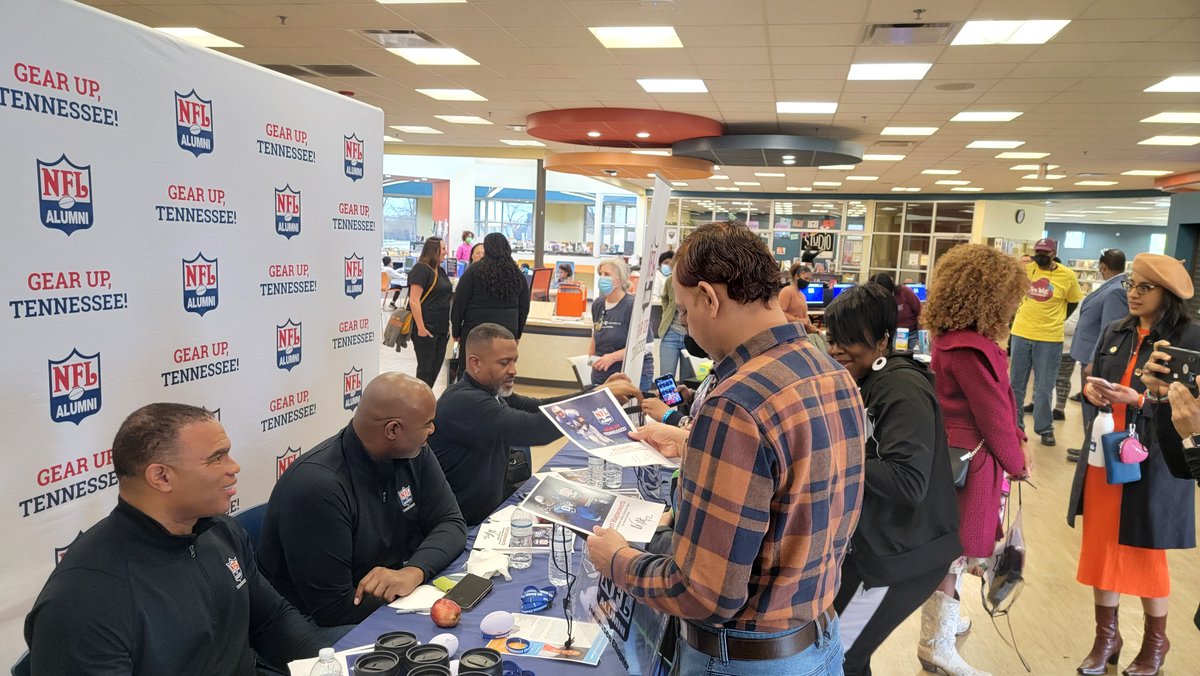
653 243
178 226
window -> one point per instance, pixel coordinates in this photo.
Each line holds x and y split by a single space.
618 227
514 220
399 219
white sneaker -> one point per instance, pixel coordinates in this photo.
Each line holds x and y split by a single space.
937 651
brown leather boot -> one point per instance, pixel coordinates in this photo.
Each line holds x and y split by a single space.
1106 649
1154 649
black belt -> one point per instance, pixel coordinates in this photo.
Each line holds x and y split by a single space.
709 643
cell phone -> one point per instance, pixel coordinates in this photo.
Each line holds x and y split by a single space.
469 591
1100 382
667 390
1184 365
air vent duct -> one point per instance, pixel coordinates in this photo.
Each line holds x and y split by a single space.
908 34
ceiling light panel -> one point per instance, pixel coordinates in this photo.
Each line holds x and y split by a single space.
1032 167
1021 156
837 167
908 131
659 153
434 56
1035 188
942 172
1047 177
1002 145
888 71
966 189
672 86
1034 32
862 178
806 107
522 142
200 37
872 157
637 37
982 116
463 119
747 183
1177 83
827 184
415 129
451 94
1170 141
1095 183
952 182
1145 172
1174 118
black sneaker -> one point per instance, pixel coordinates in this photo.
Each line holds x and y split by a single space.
1028 408
1058 415
1048 439
1072 455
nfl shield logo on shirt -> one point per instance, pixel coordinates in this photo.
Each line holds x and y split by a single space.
406 499
236 569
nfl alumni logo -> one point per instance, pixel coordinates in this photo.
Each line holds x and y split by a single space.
354 275
406 499
236 569
200 284
603 416
60 552
287 211
74 387
65 195
354 157
352 387
193 123
282 462
287 345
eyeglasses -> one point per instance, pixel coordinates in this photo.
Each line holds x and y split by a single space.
1141 289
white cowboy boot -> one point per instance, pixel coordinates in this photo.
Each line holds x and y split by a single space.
937 651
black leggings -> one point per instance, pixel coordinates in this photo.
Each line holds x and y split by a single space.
898 602
431 353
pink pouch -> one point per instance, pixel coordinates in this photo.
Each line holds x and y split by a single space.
1132 450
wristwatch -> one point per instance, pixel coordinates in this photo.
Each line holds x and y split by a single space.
1192 441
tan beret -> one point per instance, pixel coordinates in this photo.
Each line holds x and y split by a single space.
1165 272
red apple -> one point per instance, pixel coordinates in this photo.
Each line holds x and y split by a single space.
445 613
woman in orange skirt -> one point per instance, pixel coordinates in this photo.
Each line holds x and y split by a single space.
1127 528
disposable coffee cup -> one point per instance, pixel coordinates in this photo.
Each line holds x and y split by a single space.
396 643
481 661
422 655
377 663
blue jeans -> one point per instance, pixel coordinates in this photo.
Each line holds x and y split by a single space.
823 658
1042 358
670 347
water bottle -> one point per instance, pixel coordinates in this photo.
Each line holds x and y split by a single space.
520 535
562 547
1103 424
612 475
596 471
586 567
327 664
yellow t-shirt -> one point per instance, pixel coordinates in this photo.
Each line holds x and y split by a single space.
1044 309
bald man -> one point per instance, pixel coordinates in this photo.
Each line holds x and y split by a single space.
365 516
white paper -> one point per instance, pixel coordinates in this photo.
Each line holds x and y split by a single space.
546 635
420 600
582 508
596 423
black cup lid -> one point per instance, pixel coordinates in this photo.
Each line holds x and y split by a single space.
430 670
427 654
396 639
478 658
375 663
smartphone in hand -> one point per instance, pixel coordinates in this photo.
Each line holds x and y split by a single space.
1101 383
1184 366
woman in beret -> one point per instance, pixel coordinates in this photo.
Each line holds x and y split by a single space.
1127 528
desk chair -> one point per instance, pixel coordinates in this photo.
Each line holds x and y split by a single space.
251 520
22 668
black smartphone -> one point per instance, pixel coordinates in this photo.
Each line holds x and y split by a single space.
1184 365
667 390
469 591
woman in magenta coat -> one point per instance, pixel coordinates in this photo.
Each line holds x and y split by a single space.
973 297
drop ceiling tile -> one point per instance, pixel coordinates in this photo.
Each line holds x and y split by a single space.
747 56
803 35
790 11
1121 9
432 17
719 37
782 56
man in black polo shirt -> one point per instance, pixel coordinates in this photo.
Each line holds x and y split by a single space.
479 419
165 584
366 516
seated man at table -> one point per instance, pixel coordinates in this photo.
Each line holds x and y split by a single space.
479 419
365 516
165 584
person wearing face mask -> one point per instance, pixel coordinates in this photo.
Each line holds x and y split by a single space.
791 298
463 252
611 315
671 333
1037 334
661 276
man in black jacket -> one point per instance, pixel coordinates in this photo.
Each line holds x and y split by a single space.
165 584
479 419
366 516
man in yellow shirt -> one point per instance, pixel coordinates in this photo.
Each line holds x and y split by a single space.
1037 334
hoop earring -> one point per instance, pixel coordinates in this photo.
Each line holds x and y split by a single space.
878 364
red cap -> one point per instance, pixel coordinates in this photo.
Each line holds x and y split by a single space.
1046 244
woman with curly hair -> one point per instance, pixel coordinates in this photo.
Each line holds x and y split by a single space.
973 296
492 290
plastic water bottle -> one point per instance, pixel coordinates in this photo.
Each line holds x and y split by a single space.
1103 424
596 471
562 548
586 567
327 664
520 535
612 475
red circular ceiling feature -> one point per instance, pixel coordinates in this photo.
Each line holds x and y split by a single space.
619 127
629 166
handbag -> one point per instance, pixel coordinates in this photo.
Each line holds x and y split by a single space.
960 463
1123 455
404 315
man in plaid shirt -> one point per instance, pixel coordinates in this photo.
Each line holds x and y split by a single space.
770 484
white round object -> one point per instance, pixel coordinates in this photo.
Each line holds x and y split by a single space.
497 623
195 129
447 641
201 290
75 393
66 202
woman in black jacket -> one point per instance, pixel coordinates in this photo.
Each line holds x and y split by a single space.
492 290
907 536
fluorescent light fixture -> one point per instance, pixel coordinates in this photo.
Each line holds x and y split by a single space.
679 184
952 182
200 37
806 107
1034 188
433 56
1047 177
1175 83
903 189
727 189
1032 167
392 139
1021 156
747 183
593 134
414 129
966 189
463 119
716 168
452 94
642 134
718 177
942 172
659 153
827 184
1145 172
787 157
888 71
908 131
837 167
789 162
862 178
637 37
672 86
869 157
1032 32
767 174
1095 183
1174 118
983 116
1170 141
1002 145
522 142
792 188
818 211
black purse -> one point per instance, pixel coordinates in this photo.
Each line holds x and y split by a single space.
960 463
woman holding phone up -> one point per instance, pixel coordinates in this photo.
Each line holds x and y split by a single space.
1127 528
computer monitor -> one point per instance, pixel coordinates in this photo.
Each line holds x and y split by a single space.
920 290
410 262
814 294
462 267
539 289
838 288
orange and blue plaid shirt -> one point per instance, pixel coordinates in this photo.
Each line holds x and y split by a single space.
770 491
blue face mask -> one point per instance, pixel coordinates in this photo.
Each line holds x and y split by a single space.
606 285
666 269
